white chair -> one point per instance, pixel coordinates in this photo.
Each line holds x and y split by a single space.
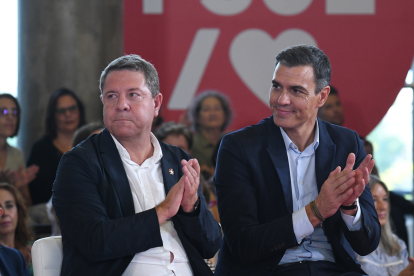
47 255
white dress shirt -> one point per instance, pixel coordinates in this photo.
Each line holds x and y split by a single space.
147 187
304 190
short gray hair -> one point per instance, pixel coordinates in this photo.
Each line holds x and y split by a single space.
133 63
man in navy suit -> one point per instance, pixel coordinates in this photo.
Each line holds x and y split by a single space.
12 262
291 190
127 203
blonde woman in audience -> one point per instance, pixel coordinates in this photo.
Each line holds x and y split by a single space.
14 231
391 256
12 164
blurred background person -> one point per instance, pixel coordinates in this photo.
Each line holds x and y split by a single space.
11 260
85 131
12 163
64 115
14 230
175 134
210 114
391 256
332 111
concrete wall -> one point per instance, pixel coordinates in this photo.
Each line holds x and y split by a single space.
64 43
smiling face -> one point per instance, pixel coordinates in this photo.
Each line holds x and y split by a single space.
8 121
211 113
67 114
380 197
8 221
292 98
129 107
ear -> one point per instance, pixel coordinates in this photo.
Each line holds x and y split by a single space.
323 95
157 104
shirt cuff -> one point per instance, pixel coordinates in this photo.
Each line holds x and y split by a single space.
301 225
353 223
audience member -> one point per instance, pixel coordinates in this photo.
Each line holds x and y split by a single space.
391 256
85 131
12 162
399 205
282 208
127 203
369 149
14 231
175 134
210 114
11 260
332 111
64 115
179 135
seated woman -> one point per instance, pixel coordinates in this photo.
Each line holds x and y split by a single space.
64 115
14 231
12 164
210 114
391 256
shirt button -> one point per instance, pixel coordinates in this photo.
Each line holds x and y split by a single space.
301 182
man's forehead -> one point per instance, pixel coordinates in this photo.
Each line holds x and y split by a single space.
301 72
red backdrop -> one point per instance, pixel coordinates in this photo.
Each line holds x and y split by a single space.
230 46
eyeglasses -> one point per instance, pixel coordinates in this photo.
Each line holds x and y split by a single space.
63 110
5 111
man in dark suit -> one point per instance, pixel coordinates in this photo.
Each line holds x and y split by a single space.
12 262
285 206
127 203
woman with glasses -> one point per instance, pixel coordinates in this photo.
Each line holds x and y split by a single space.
64 115
12 164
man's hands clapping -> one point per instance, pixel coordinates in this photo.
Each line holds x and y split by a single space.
183 194
342 187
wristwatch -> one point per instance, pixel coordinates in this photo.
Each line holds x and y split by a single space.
197 204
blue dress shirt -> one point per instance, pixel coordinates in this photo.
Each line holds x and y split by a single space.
315 246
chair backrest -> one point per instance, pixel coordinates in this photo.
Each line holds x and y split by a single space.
47 255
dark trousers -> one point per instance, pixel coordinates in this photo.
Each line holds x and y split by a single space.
312 269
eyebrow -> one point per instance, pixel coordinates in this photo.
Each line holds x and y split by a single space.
297 87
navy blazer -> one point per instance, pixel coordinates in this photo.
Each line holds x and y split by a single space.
101 231
12 262
255 199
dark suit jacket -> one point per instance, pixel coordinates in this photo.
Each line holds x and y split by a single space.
12 262
255 199
100 230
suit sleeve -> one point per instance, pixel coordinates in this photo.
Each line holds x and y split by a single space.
366 239
249 240
202 230
200 227
84 216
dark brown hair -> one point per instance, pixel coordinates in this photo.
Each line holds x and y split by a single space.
9 96
22 233
51 127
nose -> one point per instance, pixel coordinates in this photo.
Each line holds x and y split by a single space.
380 205
284 98
122 104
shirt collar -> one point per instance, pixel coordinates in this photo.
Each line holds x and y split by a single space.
156 156
289 144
